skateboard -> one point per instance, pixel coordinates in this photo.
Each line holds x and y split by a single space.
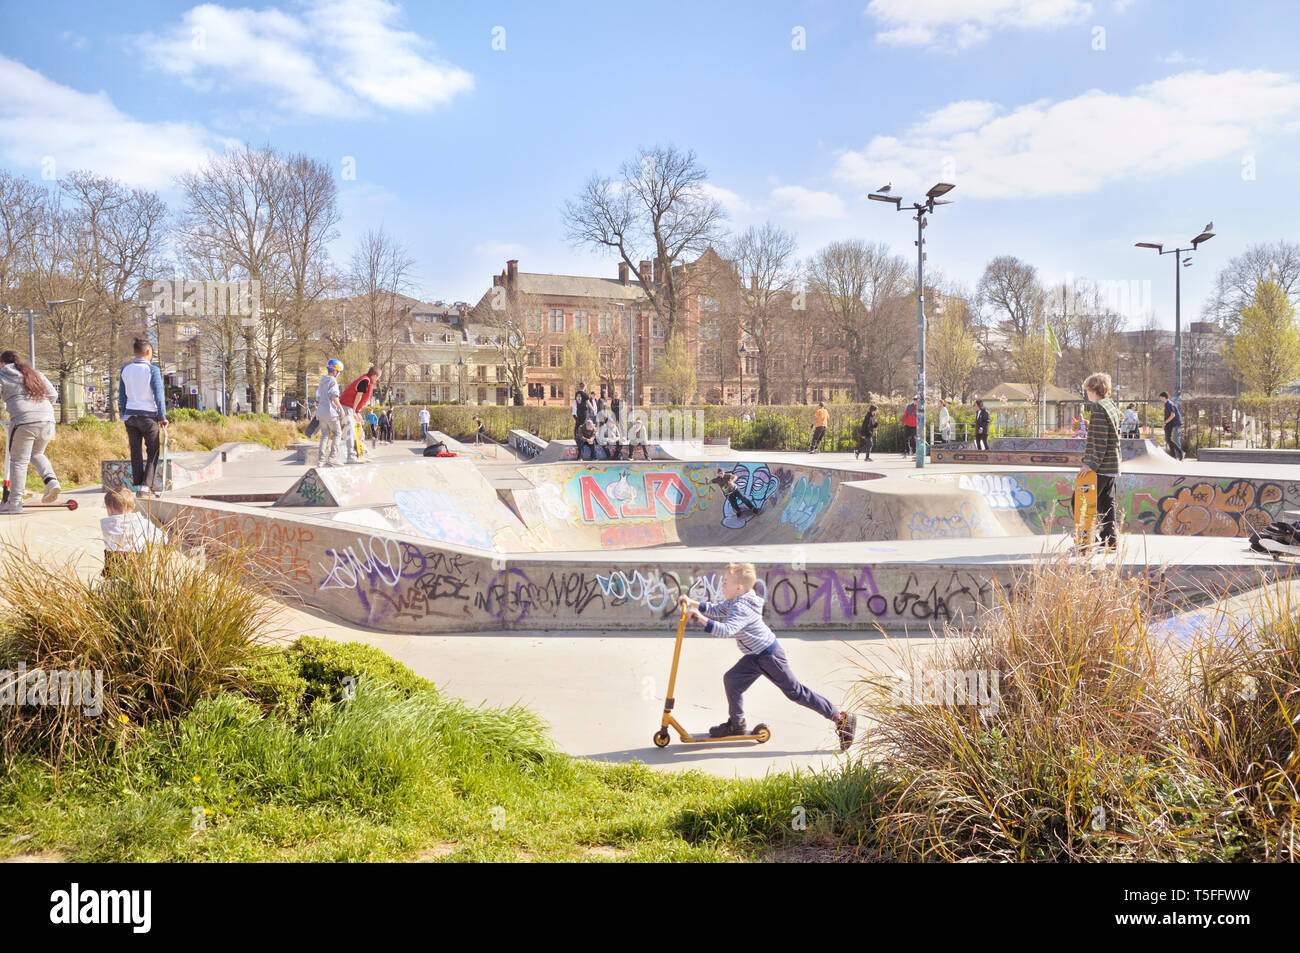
1085 507
1278 550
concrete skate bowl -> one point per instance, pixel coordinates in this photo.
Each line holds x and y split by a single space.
1153 501
636 505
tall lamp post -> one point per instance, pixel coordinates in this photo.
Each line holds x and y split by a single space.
1179 264
740 363
922 209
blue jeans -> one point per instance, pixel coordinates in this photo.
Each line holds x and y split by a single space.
773 664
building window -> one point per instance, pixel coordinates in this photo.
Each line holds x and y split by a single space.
708 304
425 372
557 392
534 356
656 329
503 398
480 372
605 322
444 372
557 320
556 356
581 323
533 319
606 356
501 373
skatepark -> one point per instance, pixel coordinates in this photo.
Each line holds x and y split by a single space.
554 584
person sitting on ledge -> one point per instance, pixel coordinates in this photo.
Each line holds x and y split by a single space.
585 437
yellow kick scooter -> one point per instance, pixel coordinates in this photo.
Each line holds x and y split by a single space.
760 733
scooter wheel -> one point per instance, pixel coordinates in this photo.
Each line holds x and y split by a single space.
661 738
762 733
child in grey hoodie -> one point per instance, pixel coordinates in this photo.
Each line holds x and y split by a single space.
28 396
740 617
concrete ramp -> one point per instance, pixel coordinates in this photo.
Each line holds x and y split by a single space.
444 499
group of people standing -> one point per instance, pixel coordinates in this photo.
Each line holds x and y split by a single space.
338 414
596 430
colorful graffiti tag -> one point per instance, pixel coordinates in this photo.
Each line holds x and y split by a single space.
1207 509
437 515
807 500
1001 491
605 496
762 485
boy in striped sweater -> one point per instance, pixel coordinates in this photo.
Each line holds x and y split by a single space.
740 617
1101 453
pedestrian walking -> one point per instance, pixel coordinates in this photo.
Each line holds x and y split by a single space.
1173 427
144 412
424 424
981 426
867 434
29 397
909 428
821 419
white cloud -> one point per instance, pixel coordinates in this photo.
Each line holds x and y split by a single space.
731 203
797 202
75 40
41 119
1178 58
335 58
1078 145
964 23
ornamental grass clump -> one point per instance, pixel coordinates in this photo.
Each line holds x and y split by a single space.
162 632
1072 725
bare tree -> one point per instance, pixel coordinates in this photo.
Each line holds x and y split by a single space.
1009 294
659 211
1088 331
233 213
765 270
1235 286
22 211
381 271
123 231
506 313
861 287
951 347
309 217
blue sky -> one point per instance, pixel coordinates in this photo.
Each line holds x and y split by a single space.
1071 129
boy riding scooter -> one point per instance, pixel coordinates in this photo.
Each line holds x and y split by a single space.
740 617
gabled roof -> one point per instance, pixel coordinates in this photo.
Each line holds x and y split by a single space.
577 286
1023 392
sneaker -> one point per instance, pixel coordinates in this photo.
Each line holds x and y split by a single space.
13 507
727 728
51 492
846 727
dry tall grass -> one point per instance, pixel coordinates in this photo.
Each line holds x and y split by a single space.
78 449
163 631
1096 737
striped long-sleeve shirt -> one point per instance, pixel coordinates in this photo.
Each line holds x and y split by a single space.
1101 453
740 619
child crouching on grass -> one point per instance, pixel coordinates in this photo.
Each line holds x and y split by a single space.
125 530
740 617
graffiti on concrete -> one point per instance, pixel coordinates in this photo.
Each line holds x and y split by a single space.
964 523
512 596
762 485
632 535
658 591
1003 492
1208 509
609 495
807 500
438 515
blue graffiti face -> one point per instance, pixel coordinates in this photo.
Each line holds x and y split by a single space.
759 484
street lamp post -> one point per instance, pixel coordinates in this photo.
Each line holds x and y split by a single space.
1179 264
740 363
922 209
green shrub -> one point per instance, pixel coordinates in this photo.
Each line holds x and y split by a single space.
310 675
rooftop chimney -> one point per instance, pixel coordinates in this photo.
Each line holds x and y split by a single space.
622 272
512 272
645 269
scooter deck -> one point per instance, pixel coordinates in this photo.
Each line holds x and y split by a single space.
69 505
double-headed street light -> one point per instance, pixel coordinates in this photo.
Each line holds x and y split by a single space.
922 209
1179 264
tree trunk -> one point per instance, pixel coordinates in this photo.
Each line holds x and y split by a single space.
63 396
